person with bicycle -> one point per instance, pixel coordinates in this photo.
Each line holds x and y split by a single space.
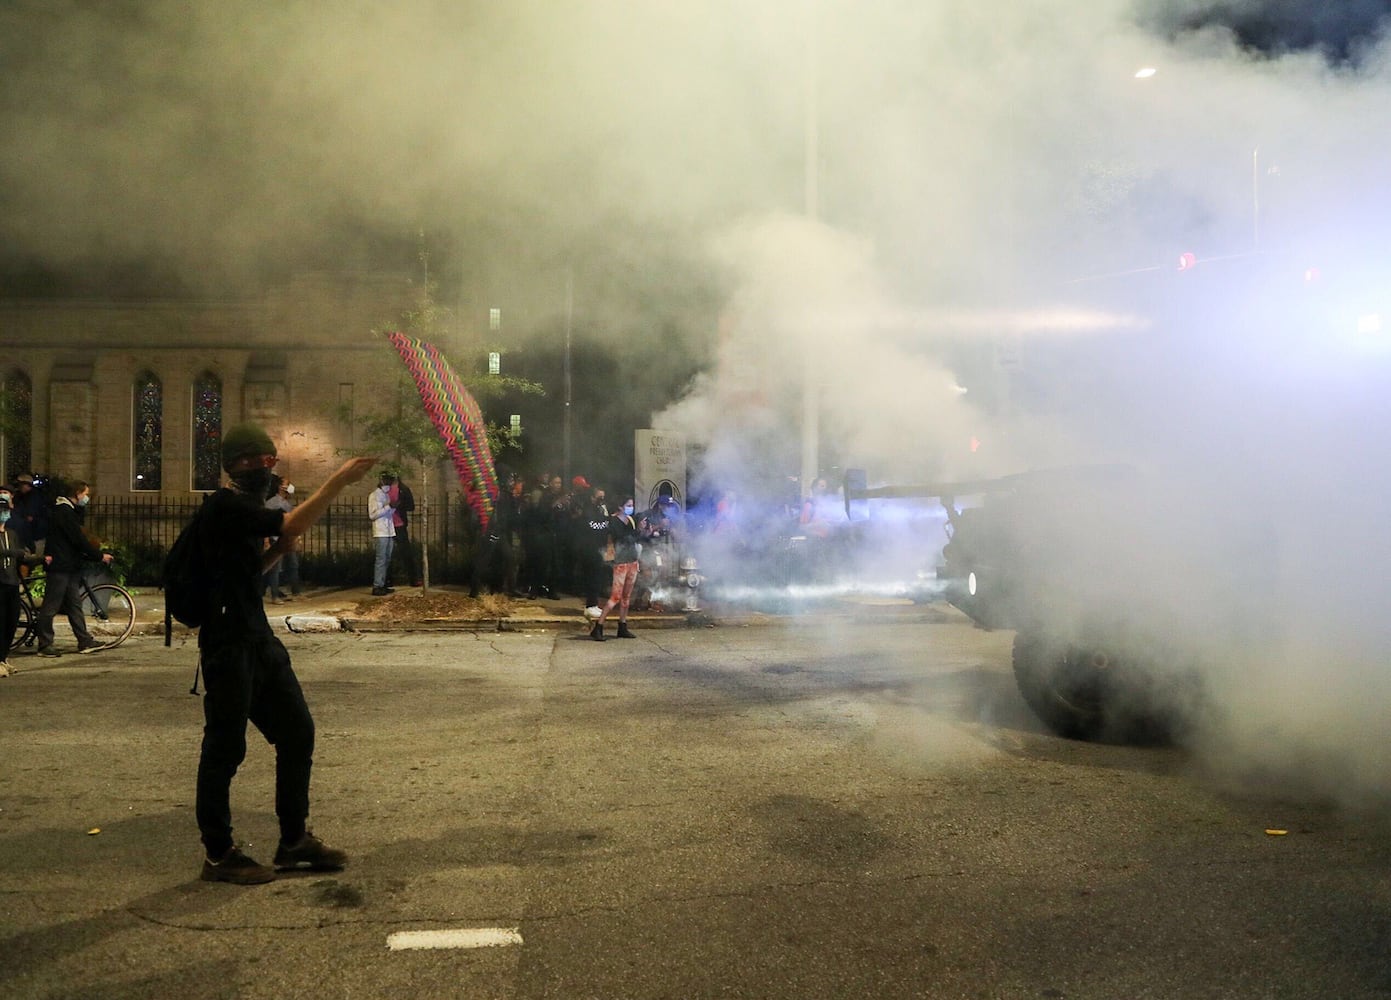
13 555
68 548
246 669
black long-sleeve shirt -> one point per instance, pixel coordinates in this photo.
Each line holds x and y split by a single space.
13 554
67 543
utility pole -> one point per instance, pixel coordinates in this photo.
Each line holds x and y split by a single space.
811 375
569 317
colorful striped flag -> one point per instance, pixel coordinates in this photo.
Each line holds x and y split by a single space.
456 416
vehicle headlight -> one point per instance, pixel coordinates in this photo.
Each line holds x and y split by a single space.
971 583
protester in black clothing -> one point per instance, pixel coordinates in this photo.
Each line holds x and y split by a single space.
533 525
591 542
545 516
247 670
403 502
13 555
557 510
494 559
67 550
31 512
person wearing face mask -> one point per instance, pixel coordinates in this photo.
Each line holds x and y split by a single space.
67 549
383 518
247 670
591 545
288 565
13 554
626 534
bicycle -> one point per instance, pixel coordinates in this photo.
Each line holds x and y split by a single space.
108 607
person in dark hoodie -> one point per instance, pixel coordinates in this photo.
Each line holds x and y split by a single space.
67 549
13 555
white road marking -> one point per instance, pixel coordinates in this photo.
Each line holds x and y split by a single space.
462 937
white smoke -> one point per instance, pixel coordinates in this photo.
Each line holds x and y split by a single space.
893 202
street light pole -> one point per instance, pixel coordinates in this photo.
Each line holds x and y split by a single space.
569 314
811 409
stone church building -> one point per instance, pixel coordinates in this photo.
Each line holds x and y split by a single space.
133 396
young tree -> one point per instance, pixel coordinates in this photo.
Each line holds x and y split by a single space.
407 433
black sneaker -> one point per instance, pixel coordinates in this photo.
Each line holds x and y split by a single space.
623 632
380 591
310 854
49 651
236 868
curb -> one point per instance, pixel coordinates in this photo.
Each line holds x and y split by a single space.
548 623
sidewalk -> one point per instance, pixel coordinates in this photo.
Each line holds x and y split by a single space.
448 608
445 608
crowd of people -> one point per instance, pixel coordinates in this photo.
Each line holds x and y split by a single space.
45 528
546 540
549 539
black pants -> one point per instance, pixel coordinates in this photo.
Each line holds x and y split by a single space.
494 566
596 576
252 681
63 592
9 617
407 553
539 562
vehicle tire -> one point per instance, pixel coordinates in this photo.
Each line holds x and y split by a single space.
110 613
1088 689
1060 684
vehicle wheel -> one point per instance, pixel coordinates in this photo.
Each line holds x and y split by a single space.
1087 690
1063 683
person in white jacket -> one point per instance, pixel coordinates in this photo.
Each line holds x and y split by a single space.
382 515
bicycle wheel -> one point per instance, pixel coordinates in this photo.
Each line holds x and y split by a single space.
24 628
110 613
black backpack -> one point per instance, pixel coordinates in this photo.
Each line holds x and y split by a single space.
189 580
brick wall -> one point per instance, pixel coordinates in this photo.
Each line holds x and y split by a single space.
287 361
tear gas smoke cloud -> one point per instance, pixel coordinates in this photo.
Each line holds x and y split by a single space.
972 163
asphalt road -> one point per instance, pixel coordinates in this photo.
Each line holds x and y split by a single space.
854 806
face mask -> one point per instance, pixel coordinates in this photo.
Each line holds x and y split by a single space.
83 500
256 482
290 490
628 509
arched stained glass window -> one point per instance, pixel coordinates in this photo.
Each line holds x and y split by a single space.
16 425
207 432
147 433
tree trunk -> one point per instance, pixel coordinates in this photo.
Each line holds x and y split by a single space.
424 508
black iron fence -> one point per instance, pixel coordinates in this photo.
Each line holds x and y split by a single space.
337 550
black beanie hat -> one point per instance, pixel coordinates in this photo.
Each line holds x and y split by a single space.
245 439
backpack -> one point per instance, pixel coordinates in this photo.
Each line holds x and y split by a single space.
188 580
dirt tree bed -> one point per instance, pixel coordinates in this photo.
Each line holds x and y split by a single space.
437 605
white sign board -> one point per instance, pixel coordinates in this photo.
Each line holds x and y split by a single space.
659 467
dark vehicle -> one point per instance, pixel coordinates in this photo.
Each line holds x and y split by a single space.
1118 591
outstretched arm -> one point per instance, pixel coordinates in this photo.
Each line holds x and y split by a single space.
303 517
